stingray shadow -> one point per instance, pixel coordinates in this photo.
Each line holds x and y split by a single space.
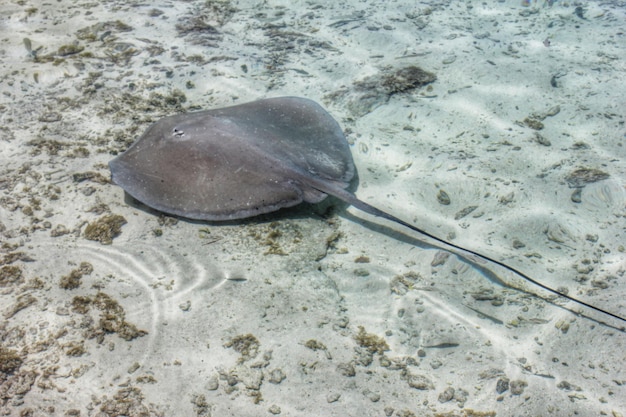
331 206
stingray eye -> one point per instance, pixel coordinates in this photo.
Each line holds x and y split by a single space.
178 132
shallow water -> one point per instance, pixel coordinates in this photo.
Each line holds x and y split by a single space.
318 310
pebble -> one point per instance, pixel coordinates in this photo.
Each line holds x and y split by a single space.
443 198
332 397
446 395
420 382
517 387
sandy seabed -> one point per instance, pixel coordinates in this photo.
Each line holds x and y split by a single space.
516 150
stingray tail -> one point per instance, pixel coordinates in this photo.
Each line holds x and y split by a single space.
351 199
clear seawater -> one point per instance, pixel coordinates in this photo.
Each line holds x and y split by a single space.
516 151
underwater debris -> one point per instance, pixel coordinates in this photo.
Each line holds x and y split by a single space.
464 212
90 175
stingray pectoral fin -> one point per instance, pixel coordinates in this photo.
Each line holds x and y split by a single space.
191 190
252 200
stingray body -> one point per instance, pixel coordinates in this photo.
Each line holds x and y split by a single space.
249 159
237 162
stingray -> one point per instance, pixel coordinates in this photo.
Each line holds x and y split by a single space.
245 160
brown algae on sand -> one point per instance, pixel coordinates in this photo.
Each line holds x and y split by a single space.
9 275
371 92
105 228
371 342
72 280
583 176
10 361
112 317
246 344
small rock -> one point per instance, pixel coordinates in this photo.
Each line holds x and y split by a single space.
332 397
346 369
517 386
50 117
59 230
277 376
420 382
213 383
502 385
372 396
443 198
446 395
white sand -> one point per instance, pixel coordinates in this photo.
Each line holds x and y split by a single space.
234 329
